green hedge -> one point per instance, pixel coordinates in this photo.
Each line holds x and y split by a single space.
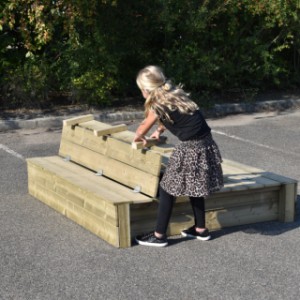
90 51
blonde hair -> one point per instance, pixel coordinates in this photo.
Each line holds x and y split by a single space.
163 94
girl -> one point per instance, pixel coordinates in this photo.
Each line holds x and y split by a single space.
194 168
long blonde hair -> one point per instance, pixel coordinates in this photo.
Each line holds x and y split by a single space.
163 94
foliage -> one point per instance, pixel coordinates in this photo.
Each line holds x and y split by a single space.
92 50
233 44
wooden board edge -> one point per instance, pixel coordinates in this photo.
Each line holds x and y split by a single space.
78 120
124 226
110 130
287 202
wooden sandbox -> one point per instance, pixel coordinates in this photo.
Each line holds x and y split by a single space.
100 182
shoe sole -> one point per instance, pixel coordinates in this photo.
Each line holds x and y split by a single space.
196 237
151 244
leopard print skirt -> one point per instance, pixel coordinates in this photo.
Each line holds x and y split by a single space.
194 169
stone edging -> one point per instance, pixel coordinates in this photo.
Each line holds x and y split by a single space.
219 110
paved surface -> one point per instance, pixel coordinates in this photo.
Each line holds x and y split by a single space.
43 255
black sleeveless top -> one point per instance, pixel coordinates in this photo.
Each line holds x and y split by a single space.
186 126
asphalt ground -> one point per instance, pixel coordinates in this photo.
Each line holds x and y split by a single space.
43 255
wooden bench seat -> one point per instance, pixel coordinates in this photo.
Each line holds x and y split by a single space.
99 181
95 202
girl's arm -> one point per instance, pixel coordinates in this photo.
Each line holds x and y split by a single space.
145 126
156 134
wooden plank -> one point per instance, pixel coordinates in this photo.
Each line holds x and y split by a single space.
100 128
279 178
147 161
232 169
229 199
266 182
230 187
85 138
84 199
97 186
95 224
240 216
111 168
239 180
111 130
106 211
287 202
87 181
261 176
237 199
57 202
215 218
243 168
149 210
125 136
241 185
248 181
49 197
222 218
220 194
78 120
124 226
95 125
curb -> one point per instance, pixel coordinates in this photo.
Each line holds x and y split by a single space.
219 110
57 121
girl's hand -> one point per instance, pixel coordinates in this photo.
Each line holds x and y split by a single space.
140 138
144 127
155 135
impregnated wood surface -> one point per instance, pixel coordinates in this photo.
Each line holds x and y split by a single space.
85 180
124 226
238 176
222 210
111 168
114 148
96 203
78 120
100 129
101 223
115 213
286 205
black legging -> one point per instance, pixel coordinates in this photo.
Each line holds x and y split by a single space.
166 202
